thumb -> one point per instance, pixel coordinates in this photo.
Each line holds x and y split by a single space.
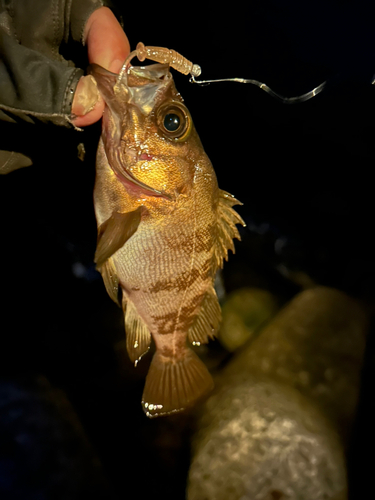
108 46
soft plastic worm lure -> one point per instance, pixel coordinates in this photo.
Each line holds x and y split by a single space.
167 56
161 55
178 62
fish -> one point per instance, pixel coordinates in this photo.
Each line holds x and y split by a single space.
164 230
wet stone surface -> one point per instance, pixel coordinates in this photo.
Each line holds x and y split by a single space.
258 438
245 311
279 420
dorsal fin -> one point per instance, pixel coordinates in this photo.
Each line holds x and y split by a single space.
207 321
115 232
138 337
226 226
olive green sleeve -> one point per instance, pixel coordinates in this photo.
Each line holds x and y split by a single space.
41 42
36 82
34 87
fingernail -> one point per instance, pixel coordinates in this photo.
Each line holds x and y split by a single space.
86 96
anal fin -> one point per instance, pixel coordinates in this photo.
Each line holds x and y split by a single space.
138 337
175 385
207 321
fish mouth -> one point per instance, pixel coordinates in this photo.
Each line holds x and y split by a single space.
121 160
138 162
128 159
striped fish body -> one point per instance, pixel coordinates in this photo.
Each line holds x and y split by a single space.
164 228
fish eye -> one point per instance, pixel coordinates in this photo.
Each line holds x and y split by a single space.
171 122
174 121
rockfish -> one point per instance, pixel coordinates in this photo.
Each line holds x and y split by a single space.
164 228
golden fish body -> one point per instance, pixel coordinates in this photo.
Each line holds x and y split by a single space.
164 228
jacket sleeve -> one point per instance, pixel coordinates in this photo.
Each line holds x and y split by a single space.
36 82
34 87
39 45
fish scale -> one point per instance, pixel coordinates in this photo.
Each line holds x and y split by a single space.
139 263
164 228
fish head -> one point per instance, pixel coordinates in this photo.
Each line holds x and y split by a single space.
148 133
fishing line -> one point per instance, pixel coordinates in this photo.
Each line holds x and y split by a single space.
286 100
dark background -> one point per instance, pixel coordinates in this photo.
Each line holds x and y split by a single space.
303 172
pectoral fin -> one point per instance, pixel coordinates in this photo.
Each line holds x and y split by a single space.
115 232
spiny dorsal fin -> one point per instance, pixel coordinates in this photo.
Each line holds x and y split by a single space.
172 385
138 337
115 232
110 278
226 226
207 321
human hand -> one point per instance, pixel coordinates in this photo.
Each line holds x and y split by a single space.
40 82
108 46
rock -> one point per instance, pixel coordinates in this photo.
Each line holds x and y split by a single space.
315 344
277 425
44 451
262 441
244 312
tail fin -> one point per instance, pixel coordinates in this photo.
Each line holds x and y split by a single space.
174 385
